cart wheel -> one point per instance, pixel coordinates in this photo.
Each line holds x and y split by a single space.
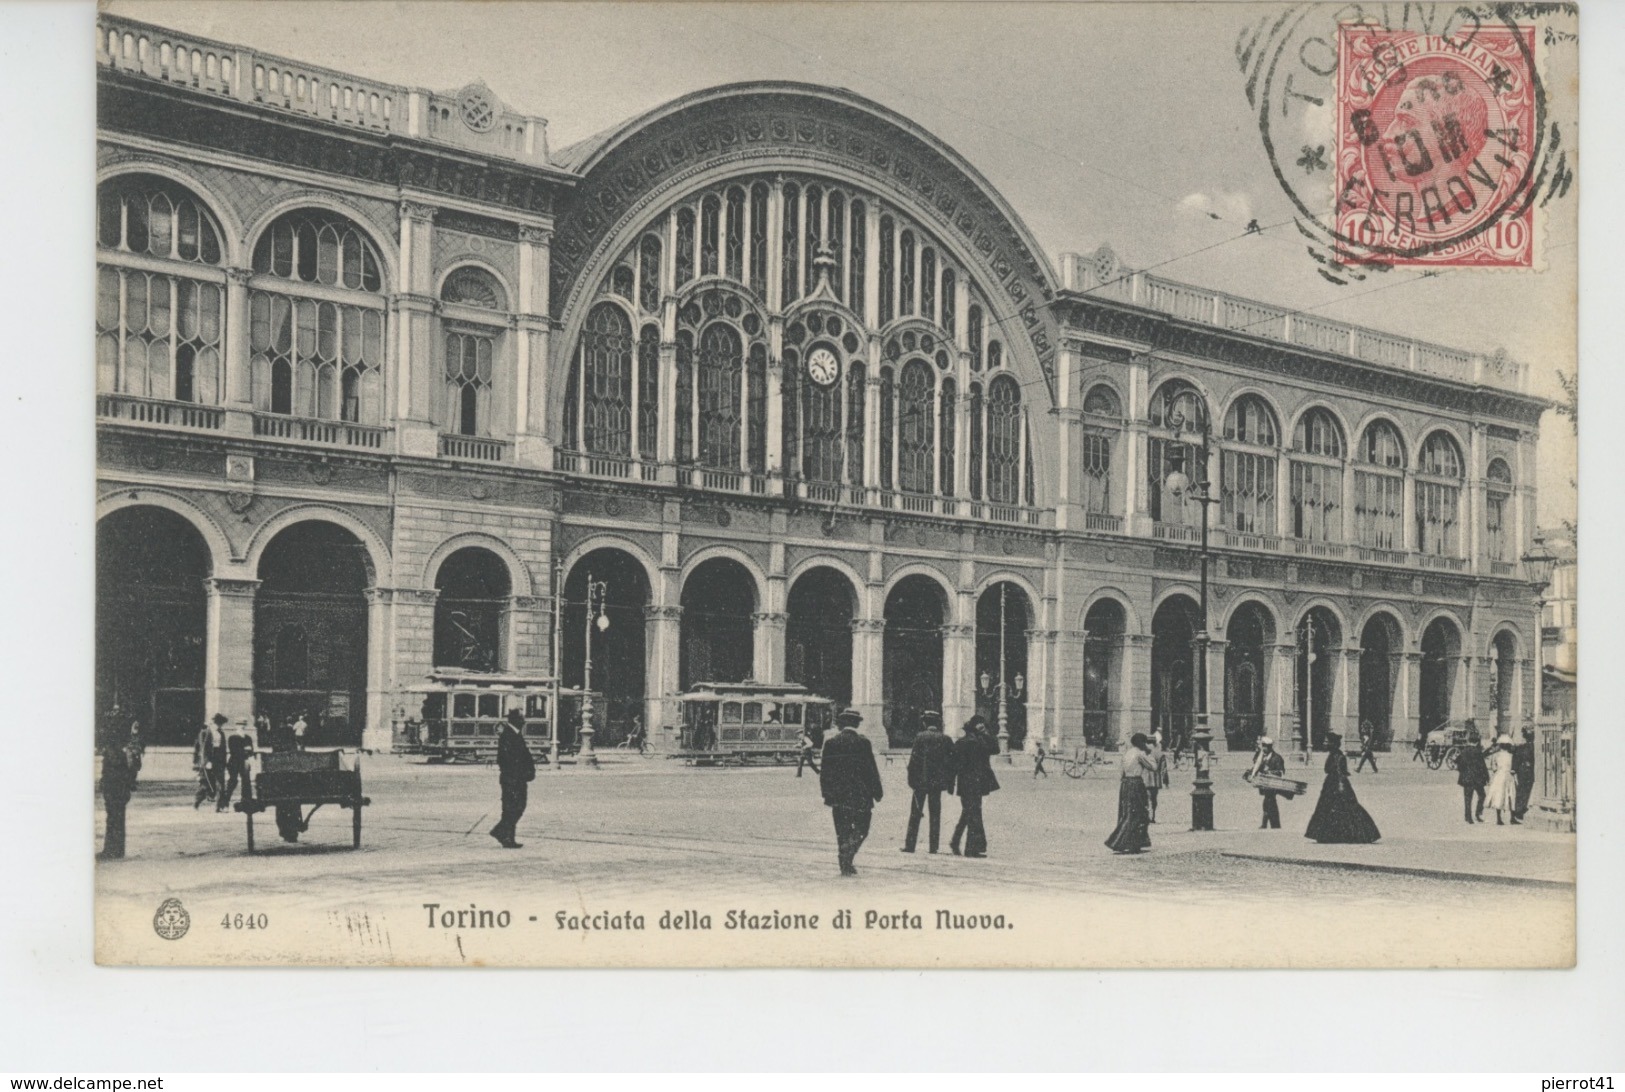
1074 770
250 817
355 823
1435 761
1450 759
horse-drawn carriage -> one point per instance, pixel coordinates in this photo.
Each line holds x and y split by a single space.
1443 745
743 723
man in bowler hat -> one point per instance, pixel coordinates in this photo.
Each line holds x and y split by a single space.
850 781
930 774
516 769
1473 775
973 780
1523 768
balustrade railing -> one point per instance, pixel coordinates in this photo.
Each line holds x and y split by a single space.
1448 564
154 411
476 448
1245 540
304 430
1175 532
1315 548
1503 568
1386 557
1100 521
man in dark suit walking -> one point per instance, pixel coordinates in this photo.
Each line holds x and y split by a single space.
850 781
1473 776
119 767
930 774
973 780
1523 768
516 769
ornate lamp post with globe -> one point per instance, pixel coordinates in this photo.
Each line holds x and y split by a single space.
597 618
1188 408
1002 689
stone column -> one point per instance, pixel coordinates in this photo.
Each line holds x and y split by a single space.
958 675
238 389
768 647
868 679
530 635
1137 499
1281 712
1407 715
377 734
1040 711
1346 693
228 666
1216 704
414 307
1464 703
1132 712
662 639
533 443
1067 675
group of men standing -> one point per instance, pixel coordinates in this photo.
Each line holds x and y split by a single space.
1502 775
850 781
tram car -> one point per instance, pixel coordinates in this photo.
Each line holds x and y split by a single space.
743 723
459 716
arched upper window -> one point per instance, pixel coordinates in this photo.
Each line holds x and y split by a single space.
471 286
1178 407
1441 457
916 420
1251 421
1318 433
160 294
1497 503
606 390
1176 415
1102 401
312 355
719 369
1381 446
1499 473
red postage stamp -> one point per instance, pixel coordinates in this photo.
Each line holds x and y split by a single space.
1437 137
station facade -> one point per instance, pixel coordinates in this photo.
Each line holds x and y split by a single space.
776 383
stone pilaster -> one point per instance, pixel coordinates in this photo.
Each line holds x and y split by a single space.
228 671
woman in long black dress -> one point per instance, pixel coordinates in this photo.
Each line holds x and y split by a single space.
1338 817
1133 831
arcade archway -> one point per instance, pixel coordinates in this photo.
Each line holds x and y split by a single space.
818 634
151 624
471 612
619 646
1248 640
1503 680
1319 635
1003 617
1104 626
719 599
1380 647
310 632
1441 659
912 654
1173 669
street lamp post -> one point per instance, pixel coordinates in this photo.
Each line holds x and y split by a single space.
597 594
1307 636
558 657
1201 740
1001 690
1539 565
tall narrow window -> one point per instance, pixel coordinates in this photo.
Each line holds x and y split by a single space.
1102 404
1317 477
928 283
995 355
792 243
948 303
815 236
821 451
790 414
905 278
649 393
735 248
856 389
1379 489
165 340
710 214
973 334
649 274
1497 502
685 246
1004 441
947 411
331 348
606 368
719 368
976 445
860 228
756 383
837 222
468 379
1176 415
888 283
887 421
1438 497
916 419
1248 467
758 239
684 409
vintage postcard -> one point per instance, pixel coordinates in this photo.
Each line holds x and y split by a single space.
836 485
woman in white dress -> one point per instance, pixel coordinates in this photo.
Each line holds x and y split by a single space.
1501 796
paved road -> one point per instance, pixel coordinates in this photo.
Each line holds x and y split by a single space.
650 834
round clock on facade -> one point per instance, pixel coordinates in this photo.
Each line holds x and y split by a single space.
823 367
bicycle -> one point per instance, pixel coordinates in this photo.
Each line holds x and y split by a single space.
1077 766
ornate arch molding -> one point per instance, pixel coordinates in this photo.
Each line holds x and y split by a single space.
628 174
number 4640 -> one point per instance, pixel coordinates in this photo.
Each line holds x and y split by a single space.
245 921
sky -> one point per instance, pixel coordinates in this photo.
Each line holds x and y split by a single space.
1124 124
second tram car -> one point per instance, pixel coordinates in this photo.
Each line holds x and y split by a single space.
740 723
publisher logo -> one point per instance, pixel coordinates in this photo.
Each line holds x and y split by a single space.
171 921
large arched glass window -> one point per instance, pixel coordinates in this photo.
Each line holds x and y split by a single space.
1247 467
1317 477
1497 509
916 419
1004 450
720 365
160 294
472 306
1379 488
1176 415
316 325
1438 497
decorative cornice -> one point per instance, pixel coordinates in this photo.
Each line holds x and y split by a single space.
536 236
418 212
232 586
